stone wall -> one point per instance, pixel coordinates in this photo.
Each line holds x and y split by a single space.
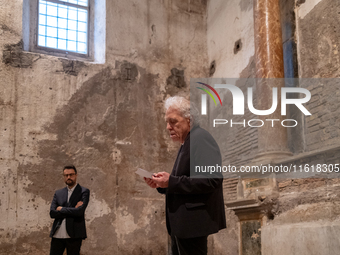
318 42
108 121
56 111
306 202
230 35
306 209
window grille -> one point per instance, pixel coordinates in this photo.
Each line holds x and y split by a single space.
63 25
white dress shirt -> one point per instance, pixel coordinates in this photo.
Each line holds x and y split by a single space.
61 231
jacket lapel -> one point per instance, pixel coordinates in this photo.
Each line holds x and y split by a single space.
75 196
182 148
64 197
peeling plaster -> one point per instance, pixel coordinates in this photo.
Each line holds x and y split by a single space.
84 113
306 7
123 142
91 132
96 209
116 156
135 221
176 78
71 67
14 56
221 42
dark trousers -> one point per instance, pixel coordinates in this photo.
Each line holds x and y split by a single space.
72 246
189 246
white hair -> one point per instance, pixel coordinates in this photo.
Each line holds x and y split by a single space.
186 109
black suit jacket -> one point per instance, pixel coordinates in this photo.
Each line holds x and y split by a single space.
75 217
195 206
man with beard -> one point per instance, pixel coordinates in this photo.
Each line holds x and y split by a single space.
68 209
194 204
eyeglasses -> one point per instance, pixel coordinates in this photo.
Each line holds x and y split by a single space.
71 175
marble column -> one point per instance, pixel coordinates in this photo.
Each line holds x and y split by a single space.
272 141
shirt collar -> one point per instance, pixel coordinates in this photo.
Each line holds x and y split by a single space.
71 190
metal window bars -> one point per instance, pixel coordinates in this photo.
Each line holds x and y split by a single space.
63 25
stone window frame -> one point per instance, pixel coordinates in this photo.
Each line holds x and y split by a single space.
96 32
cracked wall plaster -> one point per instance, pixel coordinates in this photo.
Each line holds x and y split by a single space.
14 56
86 131
305 7
58 111
222 37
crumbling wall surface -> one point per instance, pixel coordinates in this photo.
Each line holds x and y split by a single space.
318 51
318 40
226 241
305 211
230 34
306 219
313 239
230 44
106 119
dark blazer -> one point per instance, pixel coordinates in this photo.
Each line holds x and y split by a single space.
75 217
195 206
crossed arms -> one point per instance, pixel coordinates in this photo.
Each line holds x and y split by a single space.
57 211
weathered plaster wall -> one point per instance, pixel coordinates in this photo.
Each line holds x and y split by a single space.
318 48
230 32
306 220
56 111
312 239
229 22
306 209
230 37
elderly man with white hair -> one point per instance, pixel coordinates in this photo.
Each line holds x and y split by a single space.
194 206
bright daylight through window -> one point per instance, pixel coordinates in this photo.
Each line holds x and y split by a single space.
63 25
